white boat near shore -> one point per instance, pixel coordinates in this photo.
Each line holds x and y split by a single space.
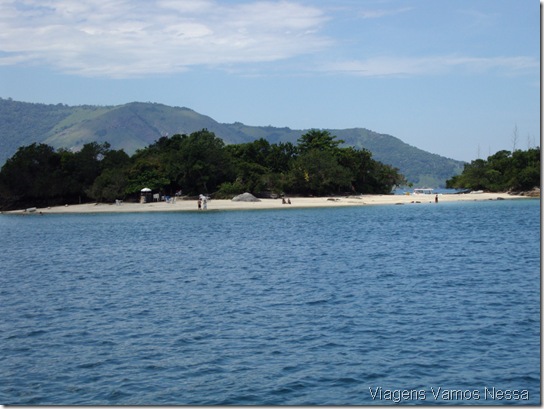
423 191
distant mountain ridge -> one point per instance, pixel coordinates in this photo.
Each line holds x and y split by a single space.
136 125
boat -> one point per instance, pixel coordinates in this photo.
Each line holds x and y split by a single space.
423 191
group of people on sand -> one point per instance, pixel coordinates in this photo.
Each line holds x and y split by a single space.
202 202
285 202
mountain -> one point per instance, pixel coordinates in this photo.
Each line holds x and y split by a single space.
135 125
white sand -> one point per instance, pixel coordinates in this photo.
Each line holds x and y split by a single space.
297 202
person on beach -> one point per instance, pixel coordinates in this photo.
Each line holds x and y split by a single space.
436 198
199 203
205 203
288 201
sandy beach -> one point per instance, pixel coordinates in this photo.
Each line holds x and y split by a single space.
181 205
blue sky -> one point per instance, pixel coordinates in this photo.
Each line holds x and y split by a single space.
460 78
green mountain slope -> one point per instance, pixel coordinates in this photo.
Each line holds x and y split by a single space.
132 126
136 125
24 123
420 167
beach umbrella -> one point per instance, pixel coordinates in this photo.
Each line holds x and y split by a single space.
146 189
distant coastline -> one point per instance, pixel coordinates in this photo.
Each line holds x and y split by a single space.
263 204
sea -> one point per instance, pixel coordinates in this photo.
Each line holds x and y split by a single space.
370 305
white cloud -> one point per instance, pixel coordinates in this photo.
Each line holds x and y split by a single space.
130 38
123 38
378 13
412 66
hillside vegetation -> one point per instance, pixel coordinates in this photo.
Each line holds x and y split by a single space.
136 125
38 175
504 171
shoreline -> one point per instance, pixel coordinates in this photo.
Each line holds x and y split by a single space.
266 204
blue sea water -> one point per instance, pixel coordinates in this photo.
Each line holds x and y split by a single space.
415 304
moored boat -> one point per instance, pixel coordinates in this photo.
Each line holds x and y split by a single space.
423 191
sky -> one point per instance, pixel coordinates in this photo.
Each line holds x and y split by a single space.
459 78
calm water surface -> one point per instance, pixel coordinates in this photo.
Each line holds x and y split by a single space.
320 306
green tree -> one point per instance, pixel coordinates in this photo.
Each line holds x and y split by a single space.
472 177
503 171
197 163
315 169
320 140
258 167
111 184
360 165
385 178
32 175
280 157
80 169
203 161
145 171
318 172
527 169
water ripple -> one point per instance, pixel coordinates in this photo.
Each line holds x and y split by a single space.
303 307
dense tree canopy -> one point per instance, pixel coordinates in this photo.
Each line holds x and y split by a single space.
38 175
197 163
501 172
